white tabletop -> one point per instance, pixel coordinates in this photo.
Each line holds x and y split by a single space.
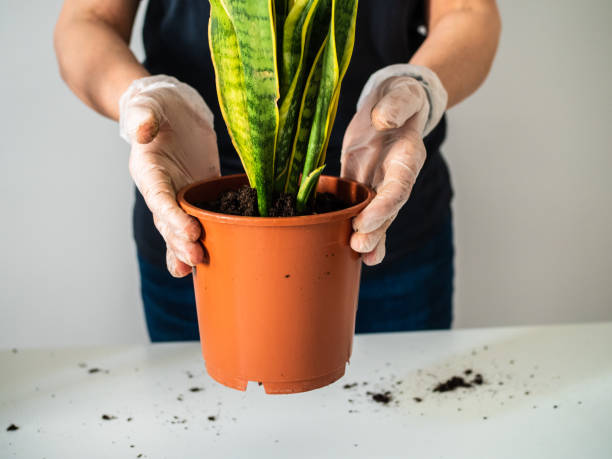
554 400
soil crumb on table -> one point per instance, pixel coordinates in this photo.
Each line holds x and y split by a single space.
196 389
457 382
108 417
12 428
453 383
212 418
243 202
97 370
381 397
177 420
478 380
349 386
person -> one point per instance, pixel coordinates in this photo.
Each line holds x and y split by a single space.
412 60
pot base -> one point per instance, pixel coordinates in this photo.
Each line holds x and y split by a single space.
279 387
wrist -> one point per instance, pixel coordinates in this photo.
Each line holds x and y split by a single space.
437 96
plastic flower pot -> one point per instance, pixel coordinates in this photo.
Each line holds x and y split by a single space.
277 297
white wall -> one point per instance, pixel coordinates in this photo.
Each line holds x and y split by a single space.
68 272
530 156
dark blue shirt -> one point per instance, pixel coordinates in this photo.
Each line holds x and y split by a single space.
387 32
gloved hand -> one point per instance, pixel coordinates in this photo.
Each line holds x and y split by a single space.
170 128
383 146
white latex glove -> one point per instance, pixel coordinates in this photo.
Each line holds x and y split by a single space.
383 146
170 128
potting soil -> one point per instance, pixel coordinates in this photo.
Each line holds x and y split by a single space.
243 202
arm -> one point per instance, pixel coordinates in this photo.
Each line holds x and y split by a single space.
383 145
167 123
91 42
461 44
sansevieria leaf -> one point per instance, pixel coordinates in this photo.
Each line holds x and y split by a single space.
303 36
305 119
243 47
230 83
292 42
281 10
308 185
335 62
279 65
323 154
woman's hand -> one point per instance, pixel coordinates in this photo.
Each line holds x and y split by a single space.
170 128
383 147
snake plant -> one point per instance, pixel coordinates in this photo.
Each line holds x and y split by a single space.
278 66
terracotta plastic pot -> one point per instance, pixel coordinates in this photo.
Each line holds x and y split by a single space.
277 297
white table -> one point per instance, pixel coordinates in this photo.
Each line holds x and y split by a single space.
555 401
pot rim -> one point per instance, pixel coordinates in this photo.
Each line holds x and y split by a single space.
300 220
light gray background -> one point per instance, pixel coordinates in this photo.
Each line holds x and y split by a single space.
530 157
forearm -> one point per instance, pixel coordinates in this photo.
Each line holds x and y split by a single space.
460 45
95 61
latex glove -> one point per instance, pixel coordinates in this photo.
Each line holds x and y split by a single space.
171 131
383 147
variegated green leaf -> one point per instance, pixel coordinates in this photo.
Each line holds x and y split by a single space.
291 50
306 187
305 119
279 65
303 37
335 62
281 10
243 47
323 154
230 83
344 63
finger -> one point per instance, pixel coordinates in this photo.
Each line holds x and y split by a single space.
176 267
402 99
142 123
158 192
366 242
401 167
377 255
190 253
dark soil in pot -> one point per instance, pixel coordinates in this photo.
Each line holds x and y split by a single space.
244 202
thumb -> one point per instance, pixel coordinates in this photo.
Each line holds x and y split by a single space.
401 100
142 124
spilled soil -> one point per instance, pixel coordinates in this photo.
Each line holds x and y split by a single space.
456 382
